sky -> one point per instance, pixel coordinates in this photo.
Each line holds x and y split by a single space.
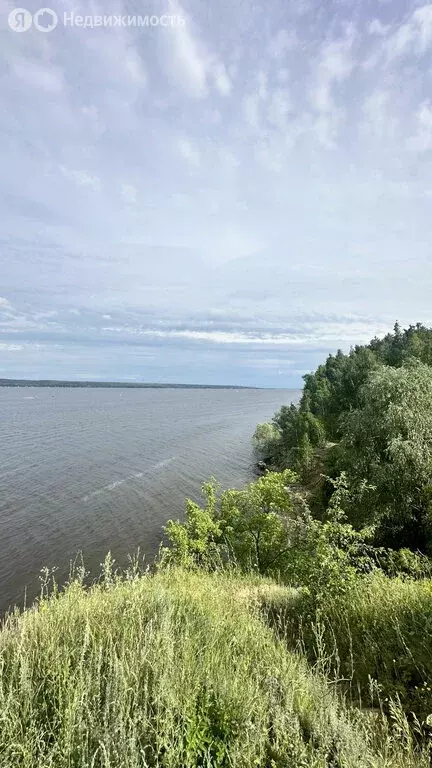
222 197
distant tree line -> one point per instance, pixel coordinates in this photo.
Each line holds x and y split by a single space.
110 384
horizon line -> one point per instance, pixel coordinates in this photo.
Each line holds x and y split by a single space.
14 382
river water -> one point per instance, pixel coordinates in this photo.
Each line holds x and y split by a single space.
92 470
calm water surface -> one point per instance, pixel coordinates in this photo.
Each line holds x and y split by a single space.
94 470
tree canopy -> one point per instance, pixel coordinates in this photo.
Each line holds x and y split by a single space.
367 414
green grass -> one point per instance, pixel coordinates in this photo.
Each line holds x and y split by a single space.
379 628
176 669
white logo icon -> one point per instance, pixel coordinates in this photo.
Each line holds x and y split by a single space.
20 20
45 20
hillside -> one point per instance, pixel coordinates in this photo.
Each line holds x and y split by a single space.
176 669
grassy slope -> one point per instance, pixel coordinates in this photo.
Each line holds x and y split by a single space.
176 669
379 628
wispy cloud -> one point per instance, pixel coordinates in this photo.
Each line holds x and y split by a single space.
376 27
82 178
335 64
10 347
128 193
412 37
422 139
217 192
188 151
193 65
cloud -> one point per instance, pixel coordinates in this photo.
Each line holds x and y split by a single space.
378 121
251 110
305 334
422 139
334 65
414 36
279 108
190 62
134 67
37 75
128 193
282 42
376 27
221 79
188 151
253 103
221 183
10 347
81 178
270 362
91 112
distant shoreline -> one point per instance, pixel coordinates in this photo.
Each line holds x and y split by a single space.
112 384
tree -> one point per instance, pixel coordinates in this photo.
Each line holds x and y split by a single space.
195 542
386 451
261 528
267 528
261 525
266 439
334 388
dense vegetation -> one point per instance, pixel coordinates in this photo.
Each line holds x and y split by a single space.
366 417
286 624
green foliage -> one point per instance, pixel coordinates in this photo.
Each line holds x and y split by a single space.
334 388
258 523
195 542
398 347
257 528
404 562
300 432
368 414
339 552
291 438
387 444
268 529
266 439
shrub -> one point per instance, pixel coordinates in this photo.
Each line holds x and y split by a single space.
267 528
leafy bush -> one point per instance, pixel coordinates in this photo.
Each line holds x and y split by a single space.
267 528
257 528
196 542
291 439
266 439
